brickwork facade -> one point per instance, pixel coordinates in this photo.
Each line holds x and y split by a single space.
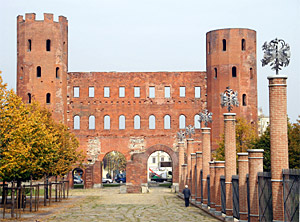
130 112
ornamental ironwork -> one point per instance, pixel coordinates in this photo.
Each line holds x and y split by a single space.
205 117
189 130
229 99
181 135
277 53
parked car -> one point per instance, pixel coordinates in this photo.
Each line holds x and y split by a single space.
77 180
106 180
120 178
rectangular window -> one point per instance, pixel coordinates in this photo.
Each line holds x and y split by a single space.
151 92
106 91
76 92
121 91
167 92
137 92
153 159
91 91
182 91
197 92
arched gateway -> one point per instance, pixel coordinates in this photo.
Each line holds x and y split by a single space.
137 167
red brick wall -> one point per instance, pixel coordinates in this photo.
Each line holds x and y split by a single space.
223 61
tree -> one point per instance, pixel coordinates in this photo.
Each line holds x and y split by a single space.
245 135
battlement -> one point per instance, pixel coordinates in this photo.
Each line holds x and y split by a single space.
48 17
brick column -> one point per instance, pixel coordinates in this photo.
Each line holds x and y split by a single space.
243 171
199 167
184 177
279 140
206 154
193 187
230 160
180 162
220 171
256 164
190 149
212 185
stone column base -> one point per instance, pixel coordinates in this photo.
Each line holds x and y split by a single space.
97 185
218 213
229 218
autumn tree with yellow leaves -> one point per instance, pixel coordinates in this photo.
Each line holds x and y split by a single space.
32 144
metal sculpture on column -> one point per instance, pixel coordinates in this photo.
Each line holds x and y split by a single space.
205 117
181 135
277 53
189 130
229 98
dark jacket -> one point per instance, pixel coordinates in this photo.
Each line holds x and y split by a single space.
186 192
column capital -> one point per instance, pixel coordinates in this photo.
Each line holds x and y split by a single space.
277 77
189 139
229 114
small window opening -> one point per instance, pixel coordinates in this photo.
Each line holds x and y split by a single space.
233 71
243 44
216 73
224 44
244 100
48 44
29 97
48 98
57 72
152 92
208 50
251 73
38 71
182 91
29 45
136 91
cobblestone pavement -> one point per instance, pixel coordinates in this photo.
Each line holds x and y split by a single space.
108 205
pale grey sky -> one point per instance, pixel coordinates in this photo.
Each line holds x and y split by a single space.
158 35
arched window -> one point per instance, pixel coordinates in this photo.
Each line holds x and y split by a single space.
48 45
216 73
243 44
234 71
196 121
57 72
29 45
76 122
121 122
152 122
107 122
224 44
251 73
29 97
92 122
38 71
244 100
48 98
182 122
137 122
167 122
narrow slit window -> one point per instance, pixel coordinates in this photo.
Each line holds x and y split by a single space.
107 122
57 72
29 97
91 91
92 122
244 100
151 92
106 91
76 122
216 73
167 92
197 92
208 48
243 44
38 72
76 92
234 71
251 73
48 45
121 91
48 98
152 122
137 122
182 91
29 45
224 44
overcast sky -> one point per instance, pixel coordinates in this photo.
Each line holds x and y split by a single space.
158 35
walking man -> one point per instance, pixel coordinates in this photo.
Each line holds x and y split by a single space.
187 193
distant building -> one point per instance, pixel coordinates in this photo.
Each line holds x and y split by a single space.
263 122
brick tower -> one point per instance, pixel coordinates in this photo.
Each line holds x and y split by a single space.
42 57
231 61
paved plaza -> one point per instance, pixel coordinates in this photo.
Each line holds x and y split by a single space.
108 205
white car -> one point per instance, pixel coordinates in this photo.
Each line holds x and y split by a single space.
105 180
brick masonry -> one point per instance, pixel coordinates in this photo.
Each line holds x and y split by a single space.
243 171
43 45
